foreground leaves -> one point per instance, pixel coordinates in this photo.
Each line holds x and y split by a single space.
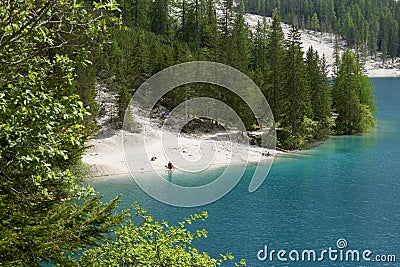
145 242
45 213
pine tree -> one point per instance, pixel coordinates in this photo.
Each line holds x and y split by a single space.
260 42
297 91
209 31
320 93
139 63
353 99
259 62
275 54
366 22
123 101
315 22
160 17
225 23
136 13
394 39
336 55
86 86
240 45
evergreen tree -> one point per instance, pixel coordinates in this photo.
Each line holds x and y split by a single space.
297 91
259 62
123 101
336 55
160 17
209 31
320 93
260 42
136 13
315 22
225 22
353 99
373 24
275 53
43 133
393 47
139 55
240 45
86 86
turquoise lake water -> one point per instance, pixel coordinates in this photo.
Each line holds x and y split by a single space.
348 188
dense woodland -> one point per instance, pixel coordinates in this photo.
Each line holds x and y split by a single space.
159 34
370 25
53 53
47 216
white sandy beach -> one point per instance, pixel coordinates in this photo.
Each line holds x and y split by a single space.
105 155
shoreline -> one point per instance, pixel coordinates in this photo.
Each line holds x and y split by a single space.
384 73
129 175
105 155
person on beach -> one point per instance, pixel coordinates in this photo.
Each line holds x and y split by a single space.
170 166
266 154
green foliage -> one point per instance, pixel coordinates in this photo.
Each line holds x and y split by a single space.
315 22
240 45
320 93
159 17
303 139
367 119
366 25
275 57
43 131
47 82
297 90
123 102
296 86
145 242
85 81
40 137
136 13
353 99
29 238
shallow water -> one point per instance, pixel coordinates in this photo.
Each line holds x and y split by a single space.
348 188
